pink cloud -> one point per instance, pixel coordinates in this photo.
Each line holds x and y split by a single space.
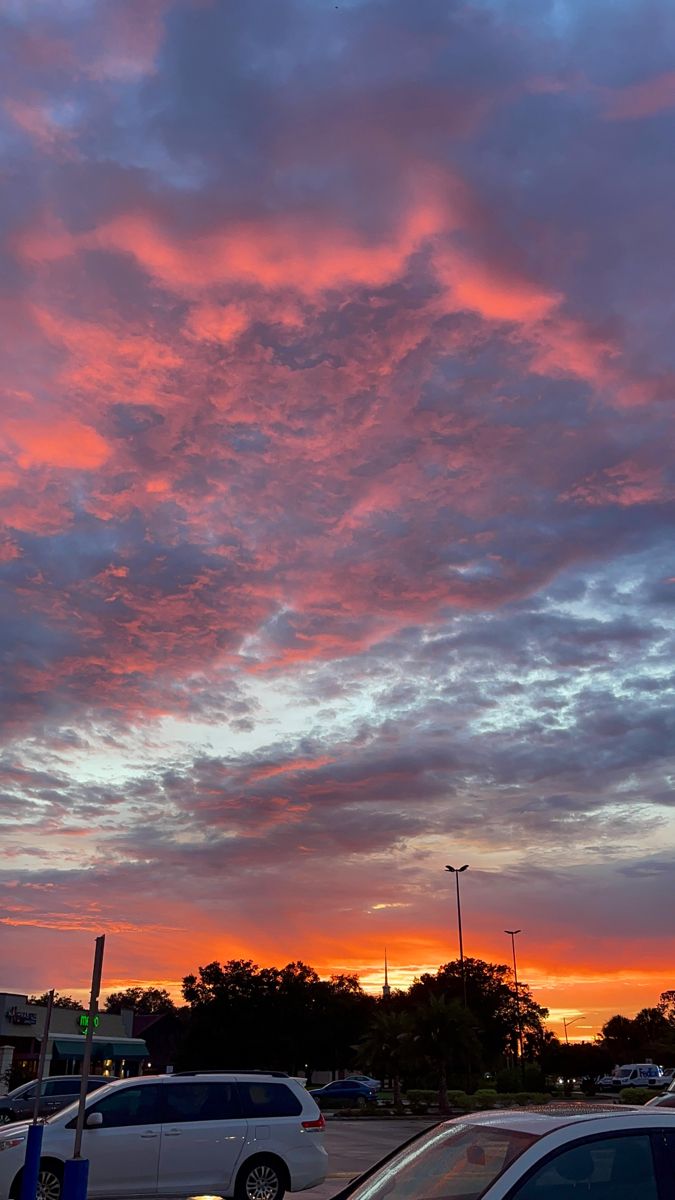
645 99
64 443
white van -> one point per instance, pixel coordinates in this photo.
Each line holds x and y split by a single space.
632 1075
249 1135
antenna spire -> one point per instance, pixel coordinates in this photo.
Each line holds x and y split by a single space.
386 990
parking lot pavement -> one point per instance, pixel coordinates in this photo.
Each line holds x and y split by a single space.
353 1146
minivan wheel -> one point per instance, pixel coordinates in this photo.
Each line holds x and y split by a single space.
49 1184
6 1118
259 1179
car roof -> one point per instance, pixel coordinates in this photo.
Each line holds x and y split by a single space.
545 1119
212 1077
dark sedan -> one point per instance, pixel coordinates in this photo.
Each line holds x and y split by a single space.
344 1093
56 1092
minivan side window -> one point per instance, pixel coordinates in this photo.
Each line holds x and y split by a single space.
269 1100
130 1106
200 1102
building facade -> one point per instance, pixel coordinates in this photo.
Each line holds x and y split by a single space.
115 1051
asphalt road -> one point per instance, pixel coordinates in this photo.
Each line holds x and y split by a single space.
355 1145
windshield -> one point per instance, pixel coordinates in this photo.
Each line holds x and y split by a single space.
457 1163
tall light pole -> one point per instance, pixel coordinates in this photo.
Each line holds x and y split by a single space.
512 934
566 1025
457 871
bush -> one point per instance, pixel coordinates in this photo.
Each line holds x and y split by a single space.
458 1098
636 1095
533 1078
531 1098
419 1099
509 1080
510 1099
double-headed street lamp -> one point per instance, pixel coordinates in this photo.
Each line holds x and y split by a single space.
512 934
457 871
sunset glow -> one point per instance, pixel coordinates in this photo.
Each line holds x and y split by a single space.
336 469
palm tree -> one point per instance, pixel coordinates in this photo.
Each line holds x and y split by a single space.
445 1034
386 1043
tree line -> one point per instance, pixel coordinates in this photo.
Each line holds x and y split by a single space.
240 1015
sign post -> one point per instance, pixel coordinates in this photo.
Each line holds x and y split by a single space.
31 1166
76 1172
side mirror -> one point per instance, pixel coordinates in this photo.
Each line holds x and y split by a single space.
94 1120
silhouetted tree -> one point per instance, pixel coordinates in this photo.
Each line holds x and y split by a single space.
59 1001
142 1000
445 1034
491 999
666 1005
285 1018
387 1044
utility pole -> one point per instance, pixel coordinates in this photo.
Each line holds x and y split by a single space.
76 1171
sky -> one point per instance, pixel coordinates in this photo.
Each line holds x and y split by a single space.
337 490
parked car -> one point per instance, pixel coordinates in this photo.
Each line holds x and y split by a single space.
607 1153
249 1135
344 1093
632 1075
55 1093
373 1084
663 1101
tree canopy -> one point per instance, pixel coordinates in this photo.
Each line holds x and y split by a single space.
59 1000
282 1018
142 1000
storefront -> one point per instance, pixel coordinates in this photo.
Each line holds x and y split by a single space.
115 1051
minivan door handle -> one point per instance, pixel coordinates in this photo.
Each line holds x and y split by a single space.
172 1133
149 1134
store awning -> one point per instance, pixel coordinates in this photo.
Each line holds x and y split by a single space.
74 1048
124 1050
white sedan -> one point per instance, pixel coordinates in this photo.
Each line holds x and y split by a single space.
560 1152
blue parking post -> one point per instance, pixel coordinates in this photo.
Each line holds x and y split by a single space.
31 1166
75 1178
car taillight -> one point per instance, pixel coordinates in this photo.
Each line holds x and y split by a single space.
319 1124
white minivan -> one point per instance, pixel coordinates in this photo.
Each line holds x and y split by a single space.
250 1135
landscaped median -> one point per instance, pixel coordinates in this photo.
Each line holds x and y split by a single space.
423 1102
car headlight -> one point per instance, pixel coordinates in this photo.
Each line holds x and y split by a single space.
10 1143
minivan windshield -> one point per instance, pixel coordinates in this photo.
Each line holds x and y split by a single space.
457 1163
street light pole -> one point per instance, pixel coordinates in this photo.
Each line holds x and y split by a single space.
456 871
566 1025
512 934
